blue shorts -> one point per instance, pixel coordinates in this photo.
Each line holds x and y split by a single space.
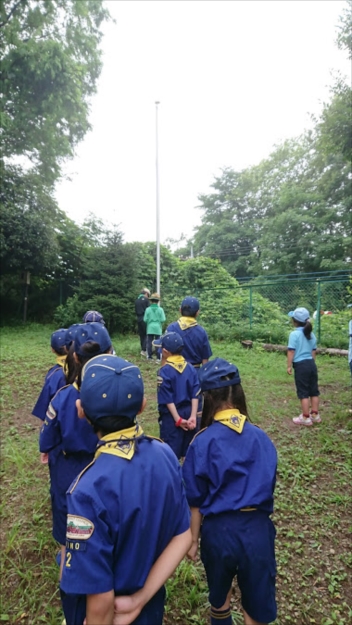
306 378
177 438
241 544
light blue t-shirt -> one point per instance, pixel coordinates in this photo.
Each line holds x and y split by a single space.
301 345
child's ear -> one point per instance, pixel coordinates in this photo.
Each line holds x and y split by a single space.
144 403
80 411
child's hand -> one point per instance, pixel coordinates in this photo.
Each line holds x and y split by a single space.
289 370
44 458
191 423
192 553
184 425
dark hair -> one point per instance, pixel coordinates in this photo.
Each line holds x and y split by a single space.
90 349
307 327
215 399
108 425
61 351
186 311
70 365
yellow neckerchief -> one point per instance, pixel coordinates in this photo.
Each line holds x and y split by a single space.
186 322
60 360
75 385
232 418
121 444
177 362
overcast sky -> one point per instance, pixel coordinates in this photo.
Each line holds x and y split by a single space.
233 79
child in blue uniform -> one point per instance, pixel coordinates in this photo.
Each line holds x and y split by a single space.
196 350
178 395
229 474
55 378
301 352
69 440
128 518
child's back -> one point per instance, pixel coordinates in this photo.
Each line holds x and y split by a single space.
196 348
55 378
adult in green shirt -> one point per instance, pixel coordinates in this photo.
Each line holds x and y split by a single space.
154 317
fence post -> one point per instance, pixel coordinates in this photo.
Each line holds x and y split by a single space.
318 311
250 307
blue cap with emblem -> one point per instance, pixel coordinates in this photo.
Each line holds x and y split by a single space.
218 373
190 305
93 332
58 339
111 387
171 341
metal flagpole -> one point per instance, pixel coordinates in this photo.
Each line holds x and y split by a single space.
157 201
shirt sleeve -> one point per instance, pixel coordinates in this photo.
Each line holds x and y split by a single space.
88 566
292 341
165 390
50 433
195 485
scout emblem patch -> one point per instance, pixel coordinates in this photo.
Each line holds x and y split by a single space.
232 418
78 528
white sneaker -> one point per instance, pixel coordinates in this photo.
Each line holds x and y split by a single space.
301 420
315 418
143 353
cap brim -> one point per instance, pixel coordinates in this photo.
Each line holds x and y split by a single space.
291 313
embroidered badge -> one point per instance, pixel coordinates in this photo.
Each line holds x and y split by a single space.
78 528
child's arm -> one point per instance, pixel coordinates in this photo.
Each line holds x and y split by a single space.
176 417
100 608
196 522
290 355
127 608
192 421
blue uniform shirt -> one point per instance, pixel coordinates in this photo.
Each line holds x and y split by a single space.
302 346
196 343
226 471
122 515
54 379
62 428
177 384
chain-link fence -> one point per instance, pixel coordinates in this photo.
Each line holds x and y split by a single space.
321 294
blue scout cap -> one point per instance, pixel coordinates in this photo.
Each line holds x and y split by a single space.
171 341
89 333
214 374
93 315
191 304
58 339
71 333
300 314
111 387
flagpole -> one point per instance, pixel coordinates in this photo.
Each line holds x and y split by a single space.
157 200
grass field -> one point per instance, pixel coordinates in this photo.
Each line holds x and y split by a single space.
312 503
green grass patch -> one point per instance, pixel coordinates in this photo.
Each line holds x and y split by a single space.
312 503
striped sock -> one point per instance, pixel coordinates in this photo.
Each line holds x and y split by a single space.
220 617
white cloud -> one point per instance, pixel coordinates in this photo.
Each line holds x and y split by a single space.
233 79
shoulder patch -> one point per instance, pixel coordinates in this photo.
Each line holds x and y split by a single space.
78 528
50 413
